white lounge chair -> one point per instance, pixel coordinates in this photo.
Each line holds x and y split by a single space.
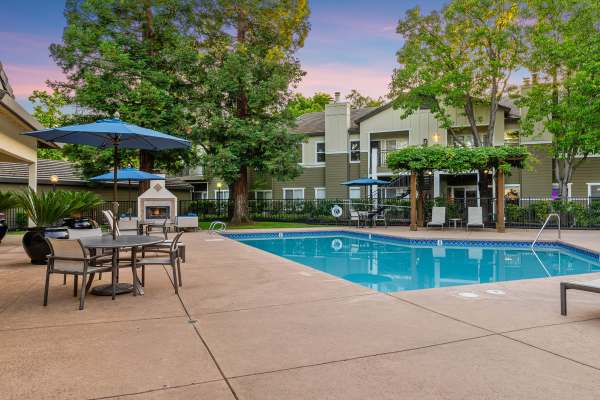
355 216
475 217
438 217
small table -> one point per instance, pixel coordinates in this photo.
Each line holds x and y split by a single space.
455 222
122 242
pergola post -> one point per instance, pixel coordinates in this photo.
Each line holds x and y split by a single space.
500 201
413 201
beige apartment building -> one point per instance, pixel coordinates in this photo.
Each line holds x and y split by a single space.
344 144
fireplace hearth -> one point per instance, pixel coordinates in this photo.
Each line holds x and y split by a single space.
158 212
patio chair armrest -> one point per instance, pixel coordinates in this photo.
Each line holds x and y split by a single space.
51 257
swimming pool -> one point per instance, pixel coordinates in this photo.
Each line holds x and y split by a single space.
390 264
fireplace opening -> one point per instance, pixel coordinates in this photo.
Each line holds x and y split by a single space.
158 212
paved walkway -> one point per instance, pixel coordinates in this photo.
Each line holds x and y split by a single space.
251 325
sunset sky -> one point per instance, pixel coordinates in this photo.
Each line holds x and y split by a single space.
352 44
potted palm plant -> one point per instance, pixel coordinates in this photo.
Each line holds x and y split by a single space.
80 203
7 200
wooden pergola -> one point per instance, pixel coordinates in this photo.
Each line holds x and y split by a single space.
419 160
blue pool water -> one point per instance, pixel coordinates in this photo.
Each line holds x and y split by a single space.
391 264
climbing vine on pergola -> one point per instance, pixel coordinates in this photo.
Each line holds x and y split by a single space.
455 160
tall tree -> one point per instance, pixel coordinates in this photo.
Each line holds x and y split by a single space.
135 57
564 97
357 100
459 58
243 123
300 104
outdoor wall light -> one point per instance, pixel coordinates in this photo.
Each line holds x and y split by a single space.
436 137
219 185
53 181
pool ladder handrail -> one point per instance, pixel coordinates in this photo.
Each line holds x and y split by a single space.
217 227
546 223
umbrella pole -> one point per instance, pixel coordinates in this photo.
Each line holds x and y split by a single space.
129 200
115 204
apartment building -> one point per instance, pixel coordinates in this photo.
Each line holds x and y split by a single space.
344 144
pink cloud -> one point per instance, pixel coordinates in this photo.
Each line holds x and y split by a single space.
342 78
25 78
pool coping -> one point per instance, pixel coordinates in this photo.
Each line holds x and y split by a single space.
541 244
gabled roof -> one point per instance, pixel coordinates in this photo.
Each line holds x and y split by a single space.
67 174
314 122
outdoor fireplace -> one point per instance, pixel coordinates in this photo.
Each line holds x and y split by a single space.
158 212
157 204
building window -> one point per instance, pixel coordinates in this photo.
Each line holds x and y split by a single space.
222 194
293 193
320 193
594 190
355 151
354 193
320 152
263 195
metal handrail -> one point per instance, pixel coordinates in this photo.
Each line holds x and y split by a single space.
217 227
546 223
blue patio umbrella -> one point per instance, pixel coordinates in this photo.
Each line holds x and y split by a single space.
128 174
106 133
366 182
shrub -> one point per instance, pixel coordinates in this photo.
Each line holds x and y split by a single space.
515 213
540 210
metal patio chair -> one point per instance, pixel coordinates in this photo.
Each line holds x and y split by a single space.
172 257
438 217
68 256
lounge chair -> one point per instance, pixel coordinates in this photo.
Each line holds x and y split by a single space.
586 286
475 217
438 217
355 216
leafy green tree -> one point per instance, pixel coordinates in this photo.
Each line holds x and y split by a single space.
138 58
564 98
243 122
457 59
357 100
300 104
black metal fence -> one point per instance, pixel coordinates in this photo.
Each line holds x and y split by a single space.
579 213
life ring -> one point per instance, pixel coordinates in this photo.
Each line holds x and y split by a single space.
337 211
336 244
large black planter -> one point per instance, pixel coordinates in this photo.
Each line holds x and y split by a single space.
3 226
36 247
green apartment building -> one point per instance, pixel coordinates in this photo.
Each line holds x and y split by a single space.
344 144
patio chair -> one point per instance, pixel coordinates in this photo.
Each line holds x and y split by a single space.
127 227
586 286
438 217
355 216
381 216
166 244
68 256
173 259
475 217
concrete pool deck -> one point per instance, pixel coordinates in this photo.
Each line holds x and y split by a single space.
251 325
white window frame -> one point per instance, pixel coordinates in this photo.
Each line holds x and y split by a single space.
350 152
320 188
589 190
263 191
293 188
351 189
317 152
221 197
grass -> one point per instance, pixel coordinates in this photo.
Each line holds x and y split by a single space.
263 225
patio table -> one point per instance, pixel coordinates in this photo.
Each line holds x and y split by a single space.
121 242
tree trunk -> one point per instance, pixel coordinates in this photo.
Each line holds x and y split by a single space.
241 213
470 113
146 164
